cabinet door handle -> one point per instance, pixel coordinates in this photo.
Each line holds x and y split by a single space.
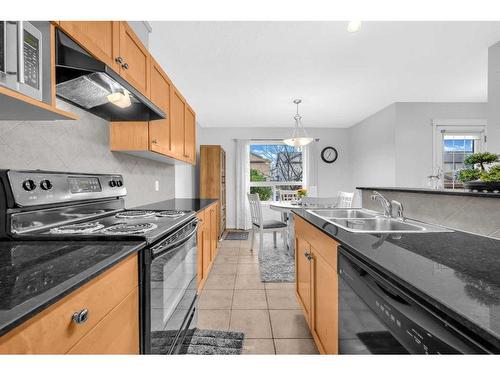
308 255
119 60
125 66
154 141
81 316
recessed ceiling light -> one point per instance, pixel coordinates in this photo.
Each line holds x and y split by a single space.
353 26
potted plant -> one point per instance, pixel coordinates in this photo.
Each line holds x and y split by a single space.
478 175
301 193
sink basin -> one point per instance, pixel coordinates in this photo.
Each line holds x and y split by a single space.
345 213
365 221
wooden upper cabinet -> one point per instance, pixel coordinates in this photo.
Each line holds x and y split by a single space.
159 130
136 59
100 38
177 121
190 135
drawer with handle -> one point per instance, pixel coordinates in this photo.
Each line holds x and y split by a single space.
59 327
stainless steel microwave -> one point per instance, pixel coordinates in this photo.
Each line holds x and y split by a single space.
21 58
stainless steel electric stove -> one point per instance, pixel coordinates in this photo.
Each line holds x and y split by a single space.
50 206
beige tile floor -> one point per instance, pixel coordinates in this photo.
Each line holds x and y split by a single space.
235 299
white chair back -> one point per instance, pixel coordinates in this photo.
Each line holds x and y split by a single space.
288 195
319 202
345 199
255 209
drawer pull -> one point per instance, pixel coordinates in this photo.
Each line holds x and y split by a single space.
119 60
125 66
81 316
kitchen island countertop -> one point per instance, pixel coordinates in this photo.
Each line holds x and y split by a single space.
457 274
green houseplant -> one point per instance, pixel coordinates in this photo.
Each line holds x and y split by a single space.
477 175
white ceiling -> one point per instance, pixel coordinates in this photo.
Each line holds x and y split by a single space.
239 74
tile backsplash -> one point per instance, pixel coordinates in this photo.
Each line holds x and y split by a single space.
82 146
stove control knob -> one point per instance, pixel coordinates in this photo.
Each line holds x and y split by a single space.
29 185
45 185
112 183
119 183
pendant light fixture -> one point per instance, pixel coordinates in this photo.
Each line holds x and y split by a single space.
299 135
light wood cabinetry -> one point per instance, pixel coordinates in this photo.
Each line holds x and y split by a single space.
136 59
117 333
303 275
207 242
99 38
316 283
173 138
213 180
167 140
178 123
53 331
190 135
160 130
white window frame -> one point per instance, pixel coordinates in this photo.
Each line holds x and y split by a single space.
450 126
275 184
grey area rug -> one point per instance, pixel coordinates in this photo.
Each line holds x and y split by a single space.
201 342
236 236
276 265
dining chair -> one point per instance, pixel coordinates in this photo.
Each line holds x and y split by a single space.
345 199
289 195
264 226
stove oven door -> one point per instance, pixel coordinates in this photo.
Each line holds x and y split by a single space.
172 291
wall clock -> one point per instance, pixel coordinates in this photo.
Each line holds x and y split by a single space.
329 154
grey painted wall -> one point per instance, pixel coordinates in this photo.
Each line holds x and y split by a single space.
413 141
470 214
372 149
494 98
393 147
81 146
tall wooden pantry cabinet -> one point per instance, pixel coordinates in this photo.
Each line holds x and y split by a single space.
213 180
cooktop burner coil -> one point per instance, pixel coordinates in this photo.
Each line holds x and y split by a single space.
124 228
135 214
78 228
171 213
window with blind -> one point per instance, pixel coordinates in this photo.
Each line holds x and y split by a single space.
453 145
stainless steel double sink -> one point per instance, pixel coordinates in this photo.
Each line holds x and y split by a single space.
366 221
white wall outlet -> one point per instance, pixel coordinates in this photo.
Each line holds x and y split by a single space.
157 185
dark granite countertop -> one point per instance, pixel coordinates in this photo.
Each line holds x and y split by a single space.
188 204
456 273
36 274
462 192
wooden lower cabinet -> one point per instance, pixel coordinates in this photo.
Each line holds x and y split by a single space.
117 333
316 283
303 275
324 309
53 331
207 242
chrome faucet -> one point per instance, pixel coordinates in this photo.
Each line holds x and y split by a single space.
384 202
399 213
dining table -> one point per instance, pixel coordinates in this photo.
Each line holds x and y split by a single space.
285 208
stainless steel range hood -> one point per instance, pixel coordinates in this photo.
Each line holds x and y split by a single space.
92 85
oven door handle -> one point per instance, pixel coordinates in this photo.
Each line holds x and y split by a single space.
163 248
